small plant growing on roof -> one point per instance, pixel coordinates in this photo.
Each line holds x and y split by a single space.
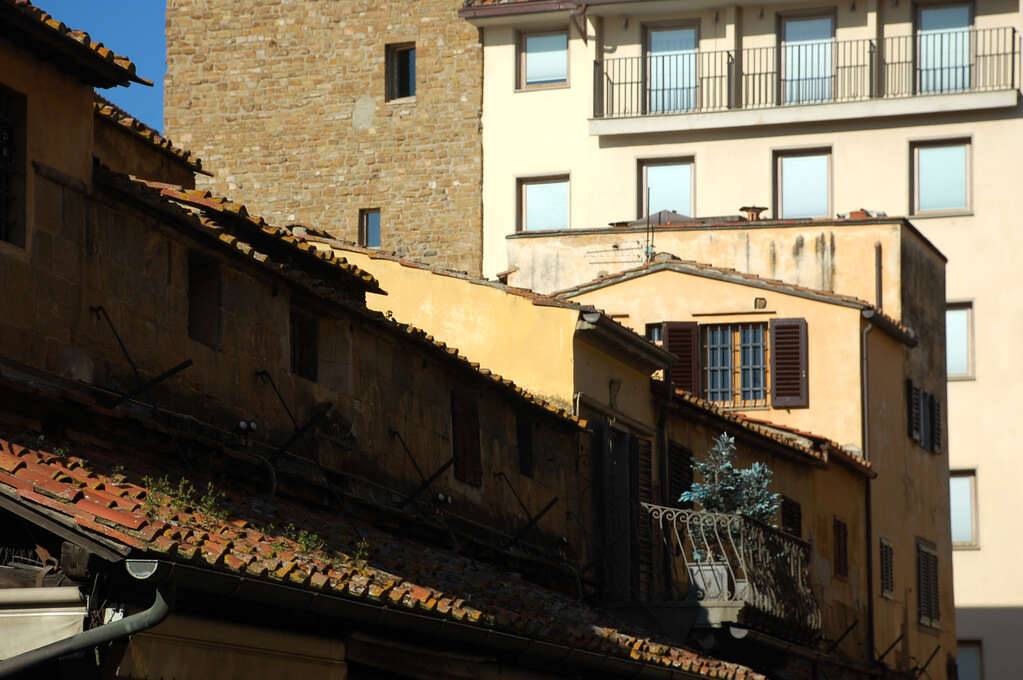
728 489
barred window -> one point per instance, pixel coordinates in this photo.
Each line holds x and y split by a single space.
887 569
736 363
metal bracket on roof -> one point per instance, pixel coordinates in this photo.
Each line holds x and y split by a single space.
299 432
834 645
426 483
153 382
265 377
99 311
890 647
920 671
533 519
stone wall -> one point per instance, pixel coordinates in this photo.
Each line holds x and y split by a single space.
284 102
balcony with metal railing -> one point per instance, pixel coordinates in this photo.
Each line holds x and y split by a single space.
793 75
732 570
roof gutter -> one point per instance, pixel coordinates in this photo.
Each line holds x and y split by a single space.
143 620
907 337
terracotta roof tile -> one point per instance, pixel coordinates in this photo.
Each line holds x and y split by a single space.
78 43
462 589
110 113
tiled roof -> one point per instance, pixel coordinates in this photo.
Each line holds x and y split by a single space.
820 448
110 68
197 206
109 112
388 571
668 262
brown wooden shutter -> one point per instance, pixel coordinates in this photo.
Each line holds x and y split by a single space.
680 474
935 423
791 517
465 439
913 410
887 568
643 461
927 599
682 338
789 375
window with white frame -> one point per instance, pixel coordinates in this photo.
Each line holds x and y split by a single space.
803 184
959 340
941 174
962 488
543 203
543 59
666 185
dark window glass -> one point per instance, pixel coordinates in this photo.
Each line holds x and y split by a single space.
401 70
305 331
653 332
204 291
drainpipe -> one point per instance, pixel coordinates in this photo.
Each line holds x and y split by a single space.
868 510
99 635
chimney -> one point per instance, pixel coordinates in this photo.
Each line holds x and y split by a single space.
752 212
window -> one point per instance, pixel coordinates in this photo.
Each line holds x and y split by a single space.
943 48
465 438
369 228
400 63
204 291
924 417
543 203
672 83
959 340
962 487
807 71
927 598
543 59
666 185
841 549
791 517
305 337
741 365
524 443
803 184
680 474
941 177
969 660
653 332
887 569
12 167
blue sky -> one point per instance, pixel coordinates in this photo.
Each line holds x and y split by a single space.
134 29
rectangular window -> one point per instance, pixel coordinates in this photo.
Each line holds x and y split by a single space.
13 139
807 70
672 83
941 178
841 549
543 59
465 438
654 332
959 340
543 203
927 597
943 48
369 228
735 363
791 517
524 443
666 185
969 660
204 293
803 184
401 70
887 569
305 337
962 487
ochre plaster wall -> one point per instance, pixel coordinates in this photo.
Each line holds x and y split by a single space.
124 152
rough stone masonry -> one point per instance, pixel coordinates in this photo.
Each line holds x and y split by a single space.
284 100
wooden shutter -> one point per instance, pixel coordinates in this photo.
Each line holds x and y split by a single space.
680 474
935 423
928 606
913 410
841 548
642 458
465 439
682 338
791 517
789 378
887 568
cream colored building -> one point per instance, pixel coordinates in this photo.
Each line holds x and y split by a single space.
809 110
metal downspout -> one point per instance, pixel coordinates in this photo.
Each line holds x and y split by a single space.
95 636
868 510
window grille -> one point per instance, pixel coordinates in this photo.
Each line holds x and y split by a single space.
736 363
887 569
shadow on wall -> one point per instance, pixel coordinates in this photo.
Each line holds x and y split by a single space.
998 630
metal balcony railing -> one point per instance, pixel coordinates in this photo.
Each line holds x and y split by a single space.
810 72
738 564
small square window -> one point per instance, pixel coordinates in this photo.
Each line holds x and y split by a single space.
543 59
941 177
204 292
12 166
841 549
305 335
803 184
654 332
887 569
666 185
959 340
543 203
401 70
969 660
369 228
962 487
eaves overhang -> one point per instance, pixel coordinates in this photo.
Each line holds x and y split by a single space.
596 327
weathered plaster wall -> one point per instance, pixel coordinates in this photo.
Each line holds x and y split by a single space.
124 152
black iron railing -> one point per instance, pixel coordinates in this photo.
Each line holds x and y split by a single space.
732 561
809 72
